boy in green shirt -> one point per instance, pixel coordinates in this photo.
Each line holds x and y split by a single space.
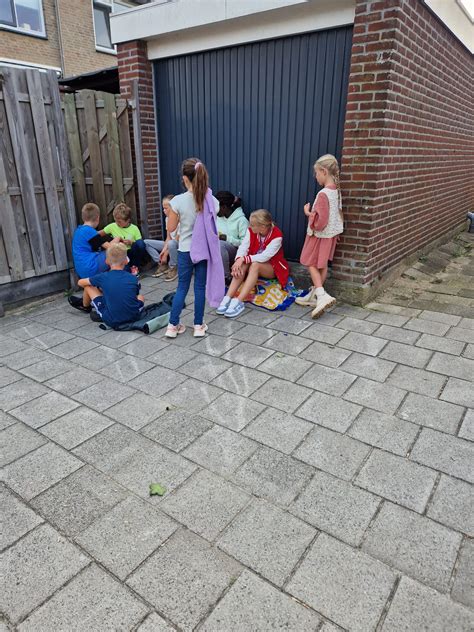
128 233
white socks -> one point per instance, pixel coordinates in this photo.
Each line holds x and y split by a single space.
320 292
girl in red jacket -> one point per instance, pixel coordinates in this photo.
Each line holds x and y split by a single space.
259 255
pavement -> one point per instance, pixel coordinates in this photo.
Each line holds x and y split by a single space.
319 474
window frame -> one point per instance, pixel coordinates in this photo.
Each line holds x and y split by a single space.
105 4
17 29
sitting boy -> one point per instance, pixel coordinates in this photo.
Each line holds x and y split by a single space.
118 300
128 233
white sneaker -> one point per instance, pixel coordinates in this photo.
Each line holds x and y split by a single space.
309 300
235 308
323 303
200 330
172 331
221 310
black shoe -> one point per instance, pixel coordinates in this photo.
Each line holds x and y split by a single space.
95 317
76 302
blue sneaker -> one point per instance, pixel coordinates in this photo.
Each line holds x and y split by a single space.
224 306
235 308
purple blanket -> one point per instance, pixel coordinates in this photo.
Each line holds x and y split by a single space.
205 247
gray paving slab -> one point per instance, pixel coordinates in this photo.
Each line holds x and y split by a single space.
463 587
253 604
432 413
417 380
145 346
406 354
397 479
204 368
223 326
241 380
467 323
173 357
176 429
325 354
445 453
126 369
185 578
206 503
10 346
157 382
367 366
267 539
254 334
97 358
155 623
34 568
332 452
416 607
47 369
50 339
384 318
446 364
288 343
343 584
281 394
272 475
218 345
438 317
382 397
370 345
247 354
453 505
384 431
103 395
360 326
289 325
6 420
324 333
116 339
137 411
462 334
92 601
458 392
44 409
286 367
18 393
468 352
17 518
397 334
74 381
278 430
327 380
17 440
194 395
69 351
414 544
23 358
79 499
261 317
436 343
467 428
29 330
71 323
336 507
8 376
427 326
75 427
232 411
329 411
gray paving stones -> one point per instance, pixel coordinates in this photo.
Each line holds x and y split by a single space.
384 431
467 323
406 354
172 358
6 420
427 326
75 427
453 505
382 397
446 345
47 369
343 584
287 343
468 352
445 453
359 326
272 475
97 358
7 376
74 381
155 623
417 380
370 345
462 334
218 345
193 395
127 534
185 578
416 607
206 503
383 318
325 354
463 588
116 339
329 411
458 392
324 333
281 394
126 369
23 358
223 326
467 428
49 339
396 334
76 501
17 440
204 368
11 345
432 413
248 355
241 380
92 601
332 452
336 507
69 351
137 411
18 393
157 381
397 479
278 430
253 334
145 346
253 604
33 473
34 568
289 325
439 317
267 539
462 368
17 518
103 395
261 317
417 546
220 450
327 380
367 366
286 367
44 409
232 411
176 429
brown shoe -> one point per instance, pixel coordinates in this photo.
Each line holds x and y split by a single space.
172 274
162 269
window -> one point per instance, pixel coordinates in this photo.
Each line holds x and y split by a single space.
22 15
102 11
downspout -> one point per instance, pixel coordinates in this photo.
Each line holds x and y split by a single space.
60 38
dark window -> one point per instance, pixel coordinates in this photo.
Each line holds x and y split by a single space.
102 25
24 15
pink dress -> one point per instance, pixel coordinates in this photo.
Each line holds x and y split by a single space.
317 251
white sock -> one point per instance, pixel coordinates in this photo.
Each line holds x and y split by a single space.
320 291
234 302
226 300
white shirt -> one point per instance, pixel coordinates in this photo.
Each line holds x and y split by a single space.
262 257
185 207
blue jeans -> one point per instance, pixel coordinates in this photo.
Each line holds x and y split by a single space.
185 272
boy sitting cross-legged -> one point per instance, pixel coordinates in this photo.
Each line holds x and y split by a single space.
115 294
128 233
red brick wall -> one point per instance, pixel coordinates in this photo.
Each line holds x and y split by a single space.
408 154
133 64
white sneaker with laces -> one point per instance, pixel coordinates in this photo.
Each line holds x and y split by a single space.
309 300
323 303
221 310
235 308
200 330
172 331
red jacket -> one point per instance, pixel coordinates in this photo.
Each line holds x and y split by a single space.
278 261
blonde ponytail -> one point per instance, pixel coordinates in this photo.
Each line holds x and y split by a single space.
329 162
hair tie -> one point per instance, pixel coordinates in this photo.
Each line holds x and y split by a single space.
197 165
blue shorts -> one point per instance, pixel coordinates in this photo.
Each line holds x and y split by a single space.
100 307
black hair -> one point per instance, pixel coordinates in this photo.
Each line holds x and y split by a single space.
228 199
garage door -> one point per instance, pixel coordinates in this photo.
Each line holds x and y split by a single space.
258 115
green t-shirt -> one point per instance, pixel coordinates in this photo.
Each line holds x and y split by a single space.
132 232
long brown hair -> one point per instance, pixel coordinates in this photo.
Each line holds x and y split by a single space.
196 171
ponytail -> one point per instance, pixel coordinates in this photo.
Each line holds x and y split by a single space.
329 162
196 172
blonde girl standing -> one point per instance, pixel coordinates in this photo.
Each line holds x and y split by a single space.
325 223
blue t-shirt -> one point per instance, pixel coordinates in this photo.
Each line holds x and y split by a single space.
86 261
120 289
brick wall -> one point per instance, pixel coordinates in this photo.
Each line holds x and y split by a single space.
408 154
133 64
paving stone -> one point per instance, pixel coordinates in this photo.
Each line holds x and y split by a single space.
185 578
259 317
157 381
286 367
232 411
76 501
253 334
34 568
92 601
336 507
29 330
384 431
193 395
17 440
382 397
329 411
461 334
327 380
206 504
281 394
463 588
360 326
7 376
10 345
325 354
68 351
432 413
289 325
278 430
145 346
71 323
406 354
155 623
467 429
205 368
19 393
352 310
137 411
134 461
439 317
458 392
47 369
173 357
241 380
223 326
446 345
17 518
367 366
324 333
252 604
397 334
6 420
467 323
287 343
416 607
33 473
126 369
75 427
328 318
217 345
343 584
74 381
427 326
393 320
468 352
97 358
332 452
220 450
417 380
453 505
445 453
103 395
453 366
413 544
267 539
127 534
397 479
248 355
116 339
50 339
23 358
272 475
176 429
370 345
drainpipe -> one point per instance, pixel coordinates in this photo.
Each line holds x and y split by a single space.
60 38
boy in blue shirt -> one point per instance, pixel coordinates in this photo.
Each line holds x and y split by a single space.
115 294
